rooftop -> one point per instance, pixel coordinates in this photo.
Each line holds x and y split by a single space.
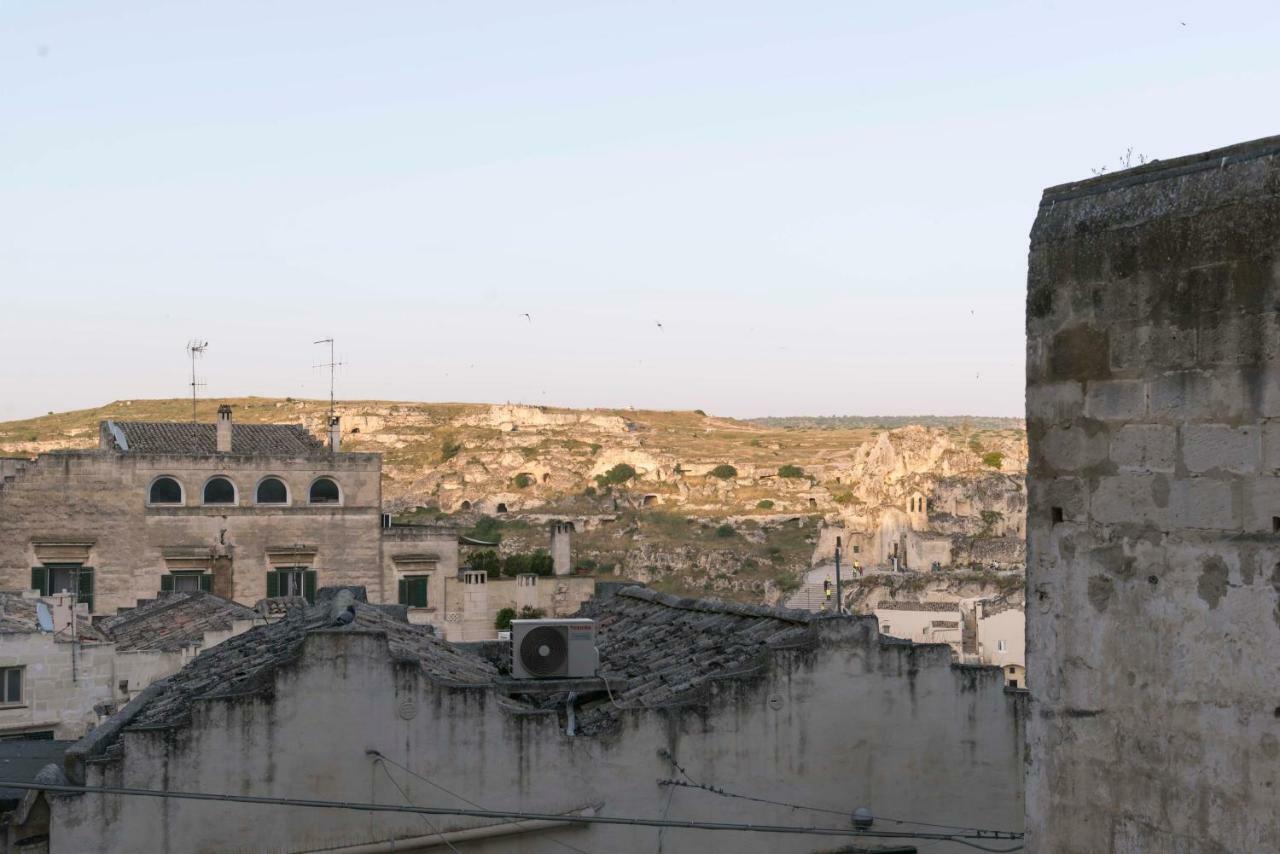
18 615
918 606
173 621
178 437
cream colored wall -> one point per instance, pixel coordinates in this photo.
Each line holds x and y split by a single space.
58 694
471 618
101 496
1009 626
820 727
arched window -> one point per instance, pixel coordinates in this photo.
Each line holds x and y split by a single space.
324 490
218 490
165 490
271 490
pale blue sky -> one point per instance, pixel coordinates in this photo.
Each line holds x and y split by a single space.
826 204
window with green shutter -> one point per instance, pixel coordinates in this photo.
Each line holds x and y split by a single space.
186 582
413 590
64 578
292 581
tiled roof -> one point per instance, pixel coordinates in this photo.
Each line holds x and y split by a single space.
173 621
18 616
176 437
918 606
246 664
667 648
21 760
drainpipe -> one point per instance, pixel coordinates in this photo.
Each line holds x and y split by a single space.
572 728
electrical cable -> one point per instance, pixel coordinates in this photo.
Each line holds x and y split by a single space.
559 818
408 800
453 794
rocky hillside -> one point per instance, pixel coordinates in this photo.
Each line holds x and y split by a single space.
680 499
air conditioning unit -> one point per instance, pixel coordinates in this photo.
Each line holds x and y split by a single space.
553 649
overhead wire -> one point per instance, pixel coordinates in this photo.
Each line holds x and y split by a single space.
409 800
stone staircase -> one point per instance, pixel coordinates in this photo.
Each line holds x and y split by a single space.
808 597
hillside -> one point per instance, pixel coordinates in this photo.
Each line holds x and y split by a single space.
684 500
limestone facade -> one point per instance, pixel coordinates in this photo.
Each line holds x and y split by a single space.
1153 417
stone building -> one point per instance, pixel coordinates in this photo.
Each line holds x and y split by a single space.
1153 416
57 683
1000 628
922 622
761 703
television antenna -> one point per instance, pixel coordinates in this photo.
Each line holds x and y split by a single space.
333 364
195 350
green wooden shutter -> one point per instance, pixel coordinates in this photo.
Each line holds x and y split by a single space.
273 585
166 583
40 580
419 593
86 586
404 591
206 582
309 585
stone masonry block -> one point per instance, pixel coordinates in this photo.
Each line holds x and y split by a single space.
1068 494
1131 499
1116 400
1271 447
1270 391
1072 448
1205 503
1145 447
1219 447
1054 402
1200 395
1262 505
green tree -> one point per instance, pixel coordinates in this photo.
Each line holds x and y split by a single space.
524 480
724 471
485 560
619 474
726 530
790 470
503 621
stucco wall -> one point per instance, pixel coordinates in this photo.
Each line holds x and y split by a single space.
101 496
1009 626
854 723
1153 616
52 698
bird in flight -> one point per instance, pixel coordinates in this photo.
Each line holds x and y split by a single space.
659 322
526 316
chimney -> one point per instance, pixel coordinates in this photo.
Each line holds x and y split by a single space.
561 557
224 429
335 434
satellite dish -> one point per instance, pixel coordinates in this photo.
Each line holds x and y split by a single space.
544 651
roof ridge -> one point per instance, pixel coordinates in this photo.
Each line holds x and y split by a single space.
715 606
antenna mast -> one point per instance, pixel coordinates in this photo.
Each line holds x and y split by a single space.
332 365
195 349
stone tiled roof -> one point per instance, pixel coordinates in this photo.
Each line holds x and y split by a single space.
279 605
918 606
18 616
667 648
176 437
246 664
173 621
998 605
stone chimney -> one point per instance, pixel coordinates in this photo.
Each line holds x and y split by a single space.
561 556
335 434
224 429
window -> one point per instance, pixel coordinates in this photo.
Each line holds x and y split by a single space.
11 685
219 491
1001 646
325 491
1013 683
165 490
884 630
64 578
272 491
292 581
186 582
413 590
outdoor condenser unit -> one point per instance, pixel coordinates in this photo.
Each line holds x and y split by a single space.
551 649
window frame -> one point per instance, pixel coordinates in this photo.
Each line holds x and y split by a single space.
276 577
42 580
5 701
407 585
204 581
325 503
288 493
235 492
182 492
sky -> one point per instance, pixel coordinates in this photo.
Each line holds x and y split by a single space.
749 208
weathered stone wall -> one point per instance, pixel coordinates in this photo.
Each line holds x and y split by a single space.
1153 624
101 497
855 722
53 698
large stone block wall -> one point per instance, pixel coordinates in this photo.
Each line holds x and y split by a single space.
101 497
1153 416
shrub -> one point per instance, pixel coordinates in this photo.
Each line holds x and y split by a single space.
587 564
503 621
619 474
538 563
486 528
791 471
847 498
590 492
724 471
450 447
700 412
994 459
524 480
528 612
725 530
764 504
484 561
